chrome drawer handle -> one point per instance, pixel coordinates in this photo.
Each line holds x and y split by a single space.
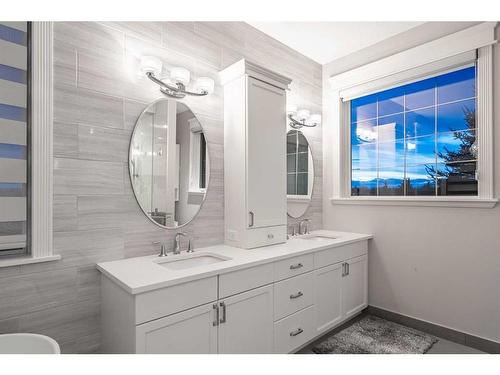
297 332
297 295
296 266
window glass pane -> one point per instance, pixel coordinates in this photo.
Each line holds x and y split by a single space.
421 150
302 180
457 116
390 102
456 85
404 141
291 184
291 161
420 94
364 108
363 132
420 180
456 146
364 182
303 159
391 181
457 179
11 151
364 157
390 128
420 122
12 190
391 154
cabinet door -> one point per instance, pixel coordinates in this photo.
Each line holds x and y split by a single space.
355 286
266 149
192 332
246 326
328 296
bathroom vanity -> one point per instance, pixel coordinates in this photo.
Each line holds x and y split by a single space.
223 299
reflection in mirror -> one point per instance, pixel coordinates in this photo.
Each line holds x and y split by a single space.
168 163
300 173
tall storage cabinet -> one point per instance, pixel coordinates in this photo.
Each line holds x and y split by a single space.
254 155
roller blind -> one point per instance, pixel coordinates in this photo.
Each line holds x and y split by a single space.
14 80
409 76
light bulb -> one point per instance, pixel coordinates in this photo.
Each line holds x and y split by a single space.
205 84
151 64
182 75
303 114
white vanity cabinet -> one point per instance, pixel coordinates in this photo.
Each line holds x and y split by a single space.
254 155
272 306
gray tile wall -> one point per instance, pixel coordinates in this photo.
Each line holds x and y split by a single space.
98 98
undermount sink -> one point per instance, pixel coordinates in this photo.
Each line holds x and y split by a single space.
317 237
181 262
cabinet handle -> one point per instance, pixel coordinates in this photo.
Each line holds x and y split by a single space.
296 295
296 332
296 266
343 269
251 218
347 268
216 314
223 318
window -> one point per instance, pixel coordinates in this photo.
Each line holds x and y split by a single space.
418 139
14 130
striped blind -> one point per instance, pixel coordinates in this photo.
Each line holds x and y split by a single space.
14 65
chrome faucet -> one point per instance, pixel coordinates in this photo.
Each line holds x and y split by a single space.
306 229
177 242
163 248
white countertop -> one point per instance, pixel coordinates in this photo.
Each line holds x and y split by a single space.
142 274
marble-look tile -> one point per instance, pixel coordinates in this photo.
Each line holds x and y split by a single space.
87 177
106 211
184 40
10 325
147 31
131 111
65 58
99 109
108 144
65 213
65 139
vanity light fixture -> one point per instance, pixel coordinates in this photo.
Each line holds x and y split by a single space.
302 117
180 77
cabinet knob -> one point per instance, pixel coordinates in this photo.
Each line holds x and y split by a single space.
296 295
296 332
296 266
270 236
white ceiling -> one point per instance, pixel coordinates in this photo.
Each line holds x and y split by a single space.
327 41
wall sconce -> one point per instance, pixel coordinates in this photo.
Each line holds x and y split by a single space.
152 66
302 117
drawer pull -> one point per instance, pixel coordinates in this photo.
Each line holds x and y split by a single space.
296 332
296 266
296 295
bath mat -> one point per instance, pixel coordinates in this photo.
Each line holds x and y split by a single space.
373 335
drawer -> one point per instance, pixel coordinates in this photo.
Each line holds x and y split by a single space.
339 254
294 331
258 237
239 281
286 268
162 302
293 294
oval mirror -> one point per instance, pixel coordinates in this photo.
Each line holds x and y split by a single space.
168 163
300 173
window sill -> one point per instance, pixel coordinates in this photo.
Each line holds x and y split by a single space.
418 201
20 260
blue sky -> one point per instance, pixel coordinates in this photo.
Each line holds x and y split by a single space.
409 123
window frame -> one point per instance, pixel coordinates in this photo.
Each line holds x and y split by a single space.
452 45
346 106
40 200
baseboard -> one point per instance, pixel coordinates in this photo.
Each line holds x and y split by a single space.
476 342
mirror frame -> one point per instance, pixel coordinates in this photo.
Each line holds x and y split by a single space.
309 149
130 171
